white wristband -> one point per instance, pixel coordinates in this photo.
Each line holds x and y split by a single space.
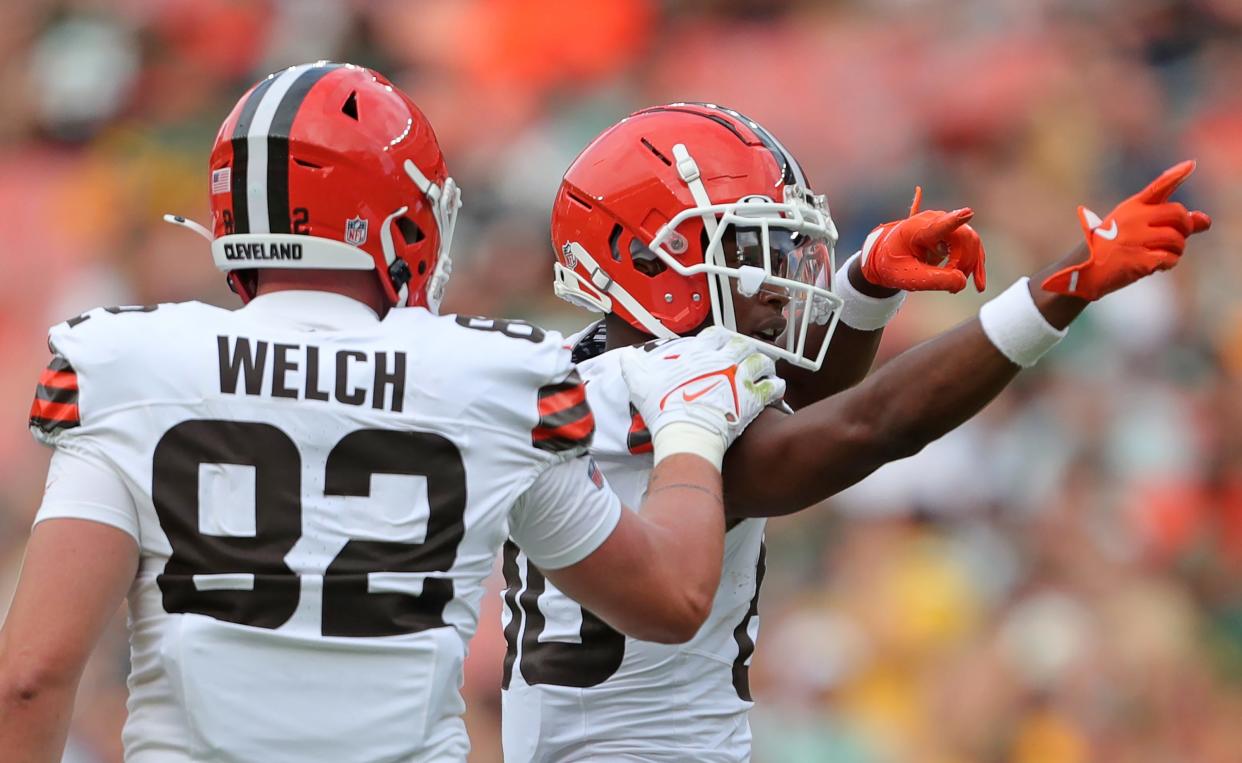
684 437
1014 324
861 311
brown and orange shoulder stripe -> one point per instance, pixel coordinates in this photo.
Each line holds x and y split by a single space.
565 419
55 405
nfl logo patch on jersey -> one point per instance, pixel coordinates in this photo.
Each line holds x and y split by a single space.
356 231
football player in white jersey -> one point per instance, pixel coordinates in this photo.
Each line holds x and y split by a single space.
303 497
689 215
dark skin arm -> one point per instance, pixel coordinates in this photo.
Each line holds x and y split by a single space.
852 352
784 463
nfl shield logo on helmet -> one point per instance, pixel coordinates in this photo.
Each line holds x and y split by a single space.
356 231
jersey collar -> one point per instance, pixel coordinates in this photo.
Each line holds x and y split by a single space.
312 309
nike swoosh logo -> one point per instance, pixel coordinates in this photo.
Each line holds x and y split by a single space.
1108 233
690 398
1096 225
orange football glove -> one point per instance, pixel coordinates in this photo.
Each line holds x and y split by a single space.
1145 233
927 251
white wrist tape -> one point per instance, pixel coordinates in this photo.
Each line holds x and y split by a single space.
860 311
1014 324
684 437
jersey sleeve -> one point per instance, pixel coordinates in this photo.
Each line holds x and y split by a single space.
565 515
82 486
91 370
523 380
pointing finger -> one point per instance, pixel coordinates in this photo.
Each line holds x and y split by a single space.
945 224
918 198
1160 189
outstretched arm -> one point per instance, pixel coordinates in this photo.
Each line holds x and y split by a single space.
908 402
785 463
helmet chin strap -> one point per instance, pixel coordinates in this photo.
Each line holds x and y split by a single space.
390 253
444 205
722 302
571 287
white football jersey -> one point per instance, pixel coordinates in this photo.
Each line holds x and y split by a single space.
318 496
577 690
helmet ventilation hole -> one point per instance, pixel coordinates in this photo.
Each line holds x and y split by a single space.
410 230
656 151
580 201
350 108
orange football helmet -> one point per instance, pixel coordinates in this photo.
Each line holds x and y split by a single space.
330 166
641 215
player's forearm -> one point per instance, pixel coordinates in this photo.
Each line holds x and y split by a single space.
35 710
963 370
933 388
74 576
850 353
942 383
911 401
792 462
684 511
655 576
928 391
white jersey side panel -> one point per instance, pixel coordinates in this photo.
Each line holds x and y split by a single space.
578 690
316 510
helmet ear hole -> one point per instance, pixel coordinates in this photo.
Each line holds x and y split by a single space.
613 238
645 261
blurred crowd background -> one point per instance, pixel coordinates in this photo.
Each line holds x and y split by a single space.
1055 582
